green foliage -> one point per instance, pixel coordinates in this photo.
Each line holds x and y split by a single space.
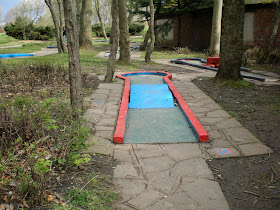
135 28
237 84
96 28
23 30
28 128
42 165
97 195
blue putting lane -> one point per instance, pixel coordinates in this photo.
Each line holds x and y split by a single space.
150 96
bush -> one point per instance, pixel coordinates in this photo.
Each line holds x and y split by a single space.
135 28
96 28
261 56
23 30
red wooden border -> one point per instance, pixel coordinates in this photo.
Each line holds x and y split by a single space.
198 129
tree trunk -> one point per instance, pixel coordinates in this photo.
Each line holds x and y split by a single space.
216 28
146 39
86 27
114 41
56 23
179 31
152 33
60 9
97 8
231 40
76 93
78 14
274 30
157 16
147 36
124 35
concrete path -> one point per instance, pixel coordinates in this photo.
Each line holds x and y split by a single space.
170 176
42 52
12 46
46 51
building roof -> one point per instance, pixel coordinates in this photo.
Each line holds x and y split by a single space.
260 1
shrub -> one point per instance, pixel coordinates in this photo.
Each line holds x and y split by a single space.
135 28
23 30
96 28
261 56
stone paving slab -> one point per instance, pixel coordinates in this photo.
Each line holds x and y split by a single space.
169 176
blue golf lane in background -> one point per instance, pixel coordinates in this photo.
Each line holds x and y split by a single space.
15 55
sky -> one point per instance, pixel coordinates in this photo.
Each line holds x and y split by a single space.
7 4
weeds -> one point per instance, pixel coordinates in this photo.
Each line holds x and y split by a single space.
95 194
27 78
261 56
237 84
37 137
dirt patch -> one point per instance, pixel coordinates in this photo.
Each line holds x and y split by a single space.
90 80
250 182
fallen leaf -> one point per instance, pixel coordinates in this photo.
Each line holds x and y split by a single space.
50 198
25 204
5 198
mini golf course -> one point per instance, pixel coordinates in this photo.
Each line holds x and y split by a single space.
153 111
203 64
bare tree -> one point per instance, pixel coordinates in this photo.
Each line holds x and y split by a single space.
216 28
86 26
152 33
57 24
76 93
124 32
1 13
231 40
97 8
27 10
114 41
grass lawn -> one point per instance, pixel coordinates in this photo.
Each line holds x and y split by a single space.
4 39
170 54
